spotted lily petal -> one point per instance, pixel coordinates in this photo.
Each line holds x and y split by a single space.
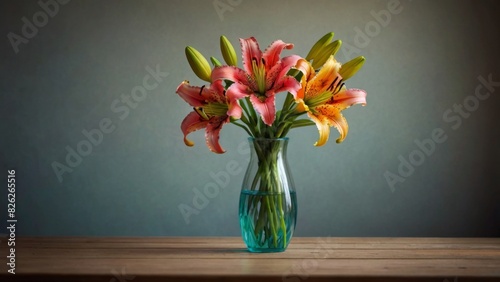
326 79
306 68
212 134
287 84
330 115
190 94
234 93
323 128
192 122
234 74
266 108
199 96
284 82
307 74
272 54
218 89
250 51
241 88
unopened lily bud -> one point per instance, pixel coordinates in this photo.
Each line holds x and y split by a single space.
320 44
330 50
350 68
228 52
198 64
215 62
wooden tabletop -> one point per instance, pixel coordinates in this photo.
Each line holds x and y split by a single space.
121 259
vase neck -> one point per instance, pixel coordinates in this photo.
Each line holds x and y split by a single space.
268 169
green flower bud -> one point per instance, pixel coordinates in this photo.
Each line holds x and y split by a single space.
350 68
198 64
319 45
330 50
228 52
215 62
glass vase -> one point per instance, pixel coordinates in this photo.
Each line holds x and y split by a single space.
268 202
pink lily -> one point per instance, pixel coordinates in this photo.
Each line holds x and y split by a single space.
209 112
264 75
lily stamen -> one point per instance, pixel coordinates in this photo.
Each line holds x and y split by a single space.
332 85
260 75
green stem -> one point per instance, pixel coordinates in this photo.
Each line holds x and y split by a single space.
251 110
281 215
302 122
268 179
271 219
288 102
242 126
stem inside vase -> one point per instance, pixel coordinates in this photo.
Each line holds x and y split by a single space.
268 200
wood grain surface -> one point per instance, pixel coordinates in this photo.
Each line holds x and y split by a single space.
120 259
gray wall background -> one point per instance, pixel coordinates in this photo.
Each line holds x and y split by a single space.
423 61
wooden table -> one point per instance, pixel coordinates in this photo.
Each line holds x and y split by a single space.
226 259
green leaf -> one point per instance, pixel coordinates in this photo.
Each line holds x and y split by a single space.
302 123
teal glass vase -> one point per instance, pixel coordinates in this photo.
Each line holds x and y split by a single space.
268 202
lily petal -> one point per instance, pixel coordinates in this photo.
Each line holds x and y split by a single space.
212 134
250 50
234 93
300 93
340 123
287 63
323 128
307 70
326 78
301 106
266 108
285 82
234 74
331 113
219 89
307 74
191 94
288 84
272 53
199 96
192 122
348 97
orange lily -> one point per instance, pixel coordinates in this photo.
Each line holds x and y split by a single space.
324 96
209 112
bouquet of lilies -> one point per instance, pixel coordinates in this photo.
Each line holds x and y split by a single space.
246 97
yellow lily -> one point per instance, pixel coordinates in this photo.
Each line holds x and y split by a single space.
324 96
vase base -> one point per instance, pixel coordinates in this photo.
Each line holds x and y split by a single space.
266 250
